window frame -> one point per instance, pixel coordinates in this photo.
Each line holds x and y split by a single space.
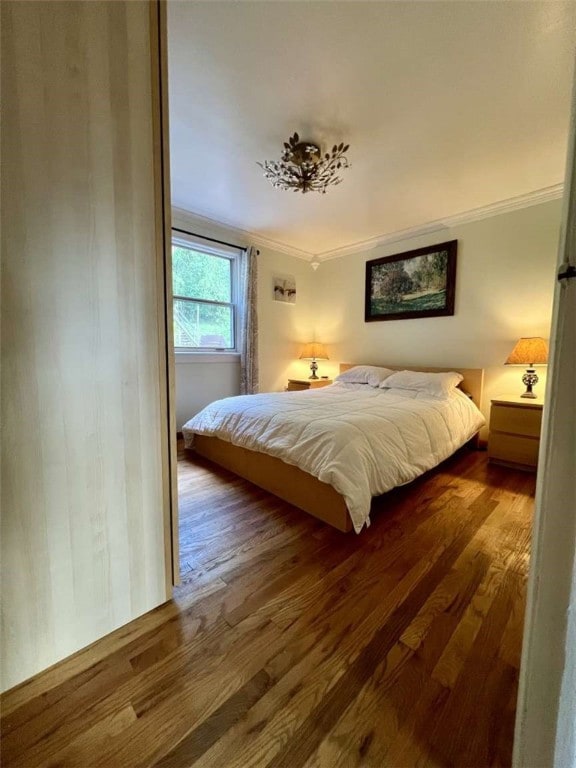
232 254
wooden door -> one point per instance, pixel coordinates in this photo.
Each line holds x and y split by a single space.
86 479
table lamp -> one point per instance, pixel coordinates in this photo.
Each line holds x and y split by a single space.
314 351
529 351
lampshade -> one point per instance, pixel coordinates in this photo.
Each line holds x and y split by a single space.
529 351
314 351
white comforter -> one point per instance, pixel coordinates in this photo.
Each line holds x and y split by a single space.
361 440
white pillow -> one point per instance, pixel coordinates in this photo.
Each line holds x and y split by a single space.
364 374
436 384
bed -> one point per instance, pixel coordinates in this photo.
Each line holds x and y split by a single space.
328 451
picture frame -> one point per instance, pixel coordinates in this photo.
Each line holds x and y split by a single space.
413 284
284 288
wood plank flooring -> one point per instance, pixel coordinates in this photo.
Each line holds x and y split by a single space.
291 645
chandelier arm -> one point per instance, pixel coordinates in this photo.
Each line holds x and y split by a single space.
303 168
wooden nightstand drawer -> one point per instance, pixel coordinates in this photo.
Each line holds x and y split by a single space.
296 385
515 431
516 420
513 449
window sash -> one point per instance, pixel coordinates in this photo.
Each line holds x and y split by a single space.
204 301
233 256
231 276
234 323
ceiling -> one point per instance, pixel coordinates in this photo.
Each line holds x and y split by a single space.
447 107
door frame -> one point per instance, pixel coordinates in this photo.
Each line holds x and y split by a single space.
545 733
159 44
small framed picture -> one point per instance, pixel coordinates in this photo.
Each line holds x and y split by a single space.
419 283
285 288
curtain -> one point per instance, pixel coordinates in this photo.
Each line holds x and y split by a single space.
249 382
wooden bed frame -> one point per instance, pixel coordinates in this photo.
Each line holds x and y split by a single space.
293 484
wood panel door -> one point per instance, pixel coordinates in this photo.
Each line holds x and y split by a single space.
85 397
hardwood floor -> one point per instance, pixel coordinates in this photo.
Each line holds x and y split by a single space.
291 645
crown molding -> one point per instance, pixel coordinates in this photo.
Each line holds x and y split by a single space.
243 236
467 217
538 196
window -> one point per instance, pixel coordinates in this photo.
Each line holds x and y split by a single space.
205 285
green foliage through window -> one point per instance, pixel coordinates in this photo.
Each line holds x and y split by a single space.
199 275
203 292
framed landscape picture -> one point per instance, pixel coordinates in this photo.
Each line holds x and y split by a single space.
419 283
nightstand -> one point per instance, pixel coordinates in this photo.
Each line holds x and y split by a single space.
514 437
296 385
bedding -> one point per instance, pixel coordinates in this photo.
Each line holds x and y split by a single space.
361 440
435 384
365 374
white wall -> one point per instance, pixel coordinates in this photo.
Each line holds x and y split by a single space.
504 286
282 328
199 382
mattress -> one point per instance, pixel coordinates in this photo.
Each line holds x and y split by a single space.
361 440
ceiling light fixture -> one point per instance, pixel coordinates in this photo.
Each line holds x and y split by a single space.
303 168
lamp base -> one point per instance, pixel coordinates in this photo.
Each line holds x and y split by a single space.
313 368
530 379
